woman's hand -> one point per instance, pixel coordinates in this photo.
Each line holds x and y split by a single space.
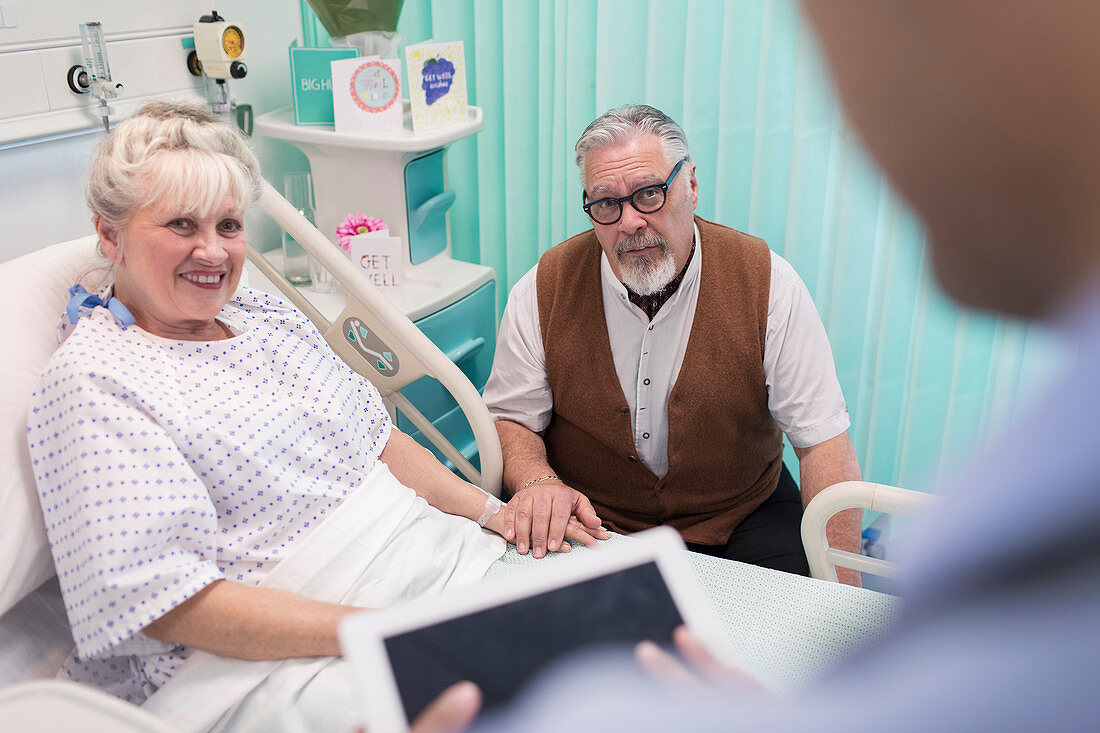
539 521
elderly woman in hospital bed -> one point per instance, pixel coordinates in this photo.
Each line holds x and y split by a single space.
213 478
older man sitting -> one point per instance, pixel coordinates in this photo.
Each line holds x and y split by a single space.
646 369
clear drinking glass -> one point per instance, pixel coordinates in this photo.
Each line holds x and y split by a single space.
323 280
298 188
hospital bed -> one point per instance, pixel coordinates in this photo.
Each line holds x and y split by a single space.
784 628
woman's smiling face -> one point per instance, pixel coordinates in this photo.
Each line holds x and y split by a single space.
175 270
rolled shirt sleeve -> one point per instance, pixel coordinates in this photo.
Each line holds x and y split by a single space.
804 396
518 388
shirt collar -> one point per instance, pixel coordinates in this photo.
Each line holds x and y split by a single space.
651 304
686 276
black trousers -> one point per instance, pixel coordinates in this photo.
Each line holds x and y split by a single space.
771 535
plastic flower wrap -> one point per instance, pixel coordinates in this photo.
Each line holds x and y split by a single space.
344 17
357 224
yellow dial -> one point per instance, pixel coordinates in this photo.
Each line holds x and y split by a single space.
233 41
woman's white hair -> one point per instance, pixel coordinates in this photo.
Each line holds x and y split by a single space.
633 120
174 154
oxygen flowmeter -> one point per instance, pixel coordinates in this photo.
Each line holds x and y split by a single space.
220 49
95 75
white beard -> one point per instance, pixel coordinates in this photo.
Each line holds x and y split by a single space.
645 274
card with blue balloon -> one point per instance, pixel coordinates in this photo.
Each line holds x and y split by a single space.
437 84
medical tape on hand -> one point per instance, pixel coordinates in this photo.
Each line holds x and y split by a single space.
492 506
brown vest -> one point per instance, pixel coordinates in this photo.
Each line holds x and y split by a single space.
724 449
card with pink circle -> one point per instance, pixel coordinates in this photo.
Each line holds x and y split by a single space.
366 94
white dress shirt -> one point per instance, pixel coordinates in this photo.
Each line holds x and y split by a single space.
804 396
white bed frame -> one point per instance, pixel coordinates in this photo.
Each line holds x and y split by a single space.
824 559
418 355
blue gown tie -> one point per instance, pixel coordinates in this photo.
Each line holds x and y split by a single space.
81 298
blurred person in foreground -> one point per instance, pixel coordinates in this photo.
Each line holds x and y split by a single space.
986 117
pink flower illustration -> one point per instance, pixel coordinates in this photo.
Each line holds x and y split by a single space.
357 224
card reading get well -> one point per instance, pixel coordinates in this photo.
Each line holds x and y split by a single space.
437 84
379 256
366 94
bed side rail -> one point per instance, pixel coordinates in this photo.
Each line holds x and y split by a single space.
379 342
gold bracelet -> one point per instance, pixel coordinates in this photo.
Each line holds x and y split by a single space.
537 480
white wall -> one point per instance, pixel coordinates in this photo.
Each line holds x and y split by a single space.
41 183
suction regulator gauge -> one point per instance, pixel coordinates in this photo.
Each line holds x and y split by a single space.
233 41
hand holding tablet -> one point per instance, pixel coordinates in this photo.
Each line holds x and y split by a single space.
501 633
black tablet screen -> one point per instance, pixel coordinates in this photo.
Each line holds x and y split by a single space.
501 648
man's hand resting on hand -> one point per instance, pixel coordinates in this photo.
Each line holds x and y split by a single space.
542 516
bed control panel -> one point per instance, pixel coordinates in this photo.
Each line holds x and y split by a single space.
371 347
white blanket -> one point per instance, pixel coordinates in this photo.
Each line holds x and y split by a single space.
383 545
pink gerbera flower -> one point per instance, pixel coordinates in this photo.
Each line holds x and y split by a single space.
357 224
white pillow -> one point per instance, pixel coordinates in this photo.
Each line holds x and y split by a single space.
35 289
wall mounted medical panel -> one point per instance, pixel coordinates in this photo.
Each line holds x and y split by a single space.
146 66
43 22
42 103
23 90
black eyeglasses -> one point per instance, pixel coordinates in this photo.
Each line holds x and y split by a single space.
646 200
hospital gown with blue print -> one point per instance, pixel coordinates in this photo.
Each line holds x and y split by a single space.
163 466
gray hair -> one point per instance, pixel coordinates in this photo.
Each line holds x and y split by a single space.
616 125
174 153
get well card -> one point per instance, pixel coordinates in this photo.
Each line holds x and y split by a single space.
437 84
366 94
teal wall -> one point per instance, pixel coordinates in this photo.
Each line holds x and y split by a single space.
923 380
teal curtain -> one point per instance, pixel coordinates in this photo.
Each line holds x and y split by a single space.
922 379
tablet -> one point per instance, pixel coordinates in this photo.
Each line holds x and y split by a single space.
502 632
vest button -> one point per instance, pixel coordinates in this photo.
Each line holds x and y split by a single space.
632 458
624 411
